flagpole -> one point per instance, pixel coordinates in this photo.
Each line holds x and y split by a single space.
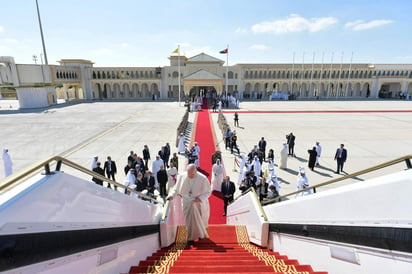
227 68
291 78
330 74
178 69
320 76
301 75
311 74
340 75
347 82
41 34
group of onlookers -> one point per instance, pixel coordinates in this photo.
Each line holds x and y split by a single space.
162 176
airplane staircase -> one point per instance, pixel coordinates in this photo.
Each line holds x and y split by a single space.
226 251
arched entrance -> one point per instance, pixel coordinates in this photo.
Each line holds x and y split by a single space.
203 91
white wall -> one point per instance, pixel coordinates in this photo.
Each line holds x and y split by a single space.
35 97
64 202
380 201
31 74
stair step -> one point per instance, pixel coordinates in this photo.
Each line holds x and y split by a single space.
220 268
219 254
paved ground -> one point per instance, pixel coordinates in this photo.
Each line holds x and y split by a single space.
81 131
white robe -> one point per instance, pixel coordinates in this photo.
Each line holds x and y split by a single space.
274 181
181 148
241 169
257 167
130 182
197 161
284 157
8 164
171 178
155 168
318 151
196 215
94 163
303 183
217 177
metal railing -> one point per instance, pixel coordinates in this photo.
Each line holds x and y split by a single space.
406 159
17 178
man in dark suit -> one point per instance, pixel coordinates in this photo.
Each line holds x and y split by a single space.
228 189
110 169
166 155
290 138
146 156
149 182
100 171
262 147
340 157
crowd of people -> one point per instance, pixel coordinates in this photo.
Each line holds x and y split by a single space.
257 168
161 176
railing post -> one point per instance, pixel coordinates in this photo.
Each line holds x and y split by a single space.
408 163
47 169
58 165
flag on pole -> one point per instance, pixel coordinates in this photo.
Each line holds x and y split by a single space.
225 51
176 50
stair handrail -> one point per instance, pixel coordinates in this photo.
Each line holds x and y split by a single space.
255 196
406 158
166 210
17 178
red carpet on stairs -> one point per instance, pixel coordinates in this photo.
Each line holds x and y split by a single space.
205 137
226 251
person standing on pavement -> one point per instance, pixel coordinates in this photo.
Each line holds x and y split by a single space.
94 162
262 147
318 151
284 157
340 157
146 156
100 171
236 120
312 158
110 169
291 143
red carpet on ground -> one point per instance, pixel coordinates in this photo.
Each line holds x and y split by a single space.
205 138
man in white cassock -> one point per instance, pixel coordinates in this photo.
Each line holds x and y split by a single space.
156 167
8 164
194 190
181 148
217 176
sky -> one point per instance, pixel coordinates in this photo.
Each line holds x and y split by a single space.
137 33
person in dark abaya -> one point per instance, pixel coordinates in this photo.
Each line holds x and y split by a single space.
312 158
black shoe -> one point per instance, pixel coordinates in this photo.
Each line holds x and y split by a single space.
190 243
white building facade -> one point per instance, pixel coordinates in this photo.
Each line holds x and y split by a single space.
203 74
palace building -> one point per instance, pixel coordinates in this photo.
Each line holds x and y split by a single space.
202 73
